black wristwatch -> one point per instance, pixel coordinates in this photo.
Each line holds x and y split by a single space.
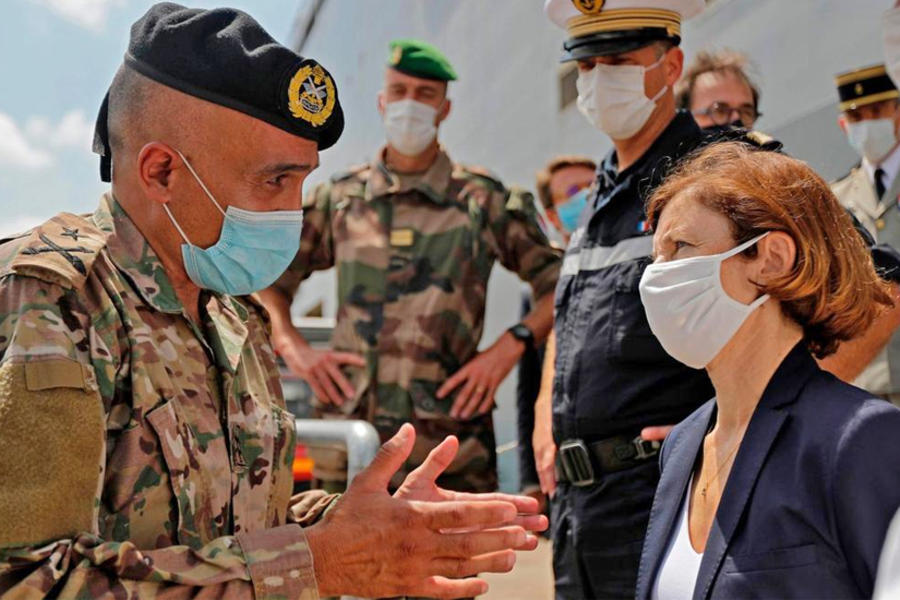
521 332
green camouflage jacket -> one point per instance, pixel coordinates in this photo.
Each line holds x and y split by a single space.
141 454
413 256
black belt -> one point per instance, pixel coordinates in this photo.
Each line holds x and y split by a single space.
579 462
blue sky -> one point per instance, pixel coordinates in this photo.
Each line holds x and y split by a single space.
58 59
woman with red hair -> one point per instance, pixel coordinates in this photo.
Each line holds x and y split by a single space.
783 485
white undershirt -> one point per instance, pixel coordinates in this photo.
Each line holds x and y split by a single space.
681 564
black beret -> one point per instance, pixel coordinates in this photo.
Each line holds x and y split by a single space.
224 56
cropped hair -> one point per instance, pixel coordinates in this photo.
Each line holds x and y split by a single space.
832 291
546 174
724 61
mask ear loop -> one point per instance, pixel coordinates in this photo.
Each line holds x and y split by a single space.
734 252
663 89
200 181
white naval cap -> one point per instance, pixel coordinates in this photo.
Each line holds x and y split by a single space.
598 27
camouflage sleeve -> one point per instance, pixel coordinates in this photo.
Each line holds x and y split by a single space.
316 243
519 241
52 467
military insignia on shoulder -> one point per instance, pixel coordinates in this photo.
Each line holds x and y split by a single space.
61 251
589 7
311 94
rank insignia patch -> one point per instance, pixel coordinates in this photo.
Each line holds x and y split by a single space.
311 95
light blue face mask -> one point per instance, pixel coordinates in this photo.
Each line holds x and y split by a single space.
253 250
570 210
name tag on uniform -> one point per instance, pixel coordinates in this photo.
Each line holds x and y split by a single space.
402 237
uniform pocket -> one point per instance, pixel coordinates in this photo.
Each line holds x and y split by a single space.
189 464
630 338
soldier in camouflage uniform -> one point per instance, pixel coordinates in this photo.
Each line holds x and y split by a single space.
144 446
414 237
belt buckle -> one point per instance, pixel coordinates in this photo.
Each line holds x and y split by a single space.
576 463
645 448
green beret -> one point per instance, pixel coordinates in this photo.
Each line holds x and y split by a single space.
419 59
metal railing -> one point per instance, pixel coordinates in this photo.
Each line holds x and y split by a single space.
358 437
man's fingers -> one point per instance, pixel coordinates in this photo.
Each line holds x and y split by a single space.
535 523
547 478
523 504
494 562
334 396
348 358
462 399
657 433
459 515
391 456
452 383
341 381
317 389
435 463
466 545
487 403
442 587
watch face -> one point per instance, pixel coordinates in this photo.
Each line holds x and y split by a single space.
521 332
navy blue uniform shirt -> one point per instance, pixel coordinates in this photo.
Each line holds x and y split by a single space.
612 375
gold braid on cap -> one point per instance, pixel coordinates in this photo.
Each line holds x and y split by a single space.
622 19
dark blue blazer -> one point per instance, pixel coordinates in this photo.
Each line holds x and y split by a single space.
810 495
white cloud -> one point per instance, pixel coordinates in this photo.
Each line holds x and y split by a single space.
19 224
73 131
16 150
34 145
90 14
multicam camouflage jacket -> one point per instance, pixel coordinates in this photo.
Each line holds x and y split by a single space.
141 454
413 256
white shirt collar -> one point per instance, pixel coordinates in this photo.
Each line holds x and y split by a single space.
891 166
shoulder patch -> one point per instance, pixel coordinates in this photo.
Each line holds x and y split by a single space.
354 171
61 251
520 201
479 174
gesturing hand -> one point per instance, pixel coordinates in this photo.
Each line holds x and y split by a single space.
373 545
421 484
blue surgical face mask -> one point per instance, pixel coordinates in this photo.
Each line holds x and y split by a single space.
570 210
253 250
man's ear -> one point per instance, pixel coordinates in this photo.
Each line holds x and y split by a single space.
842 123
155 163
379 103
443 112
777 256
674 64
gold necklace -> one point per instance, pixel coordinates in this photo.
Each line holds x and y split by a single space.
719 470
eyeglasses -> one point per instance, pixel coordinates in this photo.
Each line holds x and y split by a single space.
720 113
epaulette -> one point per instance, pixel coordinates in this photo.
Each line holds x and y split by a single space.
482 174
852 170
520 200
754 138
62 251
348 174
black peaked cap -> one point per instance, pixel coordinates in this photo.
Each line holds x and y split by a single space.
224 56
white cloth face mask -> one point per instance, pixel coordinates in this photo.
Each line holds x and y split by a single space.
612 98
409 126
687 308
873 139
